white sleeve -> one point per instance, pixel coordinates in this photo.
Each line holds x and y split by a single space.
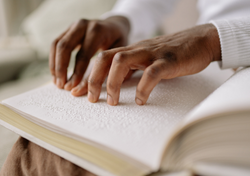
222 9
145 16
235 41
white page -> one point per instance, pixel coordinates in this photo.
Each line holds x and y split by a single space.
232 96
139 132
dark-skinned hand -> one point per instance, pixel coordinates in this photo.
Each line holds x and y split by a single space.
90 36
165 57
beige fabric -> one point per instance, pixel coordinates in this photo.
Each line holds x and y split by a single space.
27 158
7 137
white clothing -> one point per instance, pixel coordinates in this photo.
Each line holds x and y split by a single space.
232 20
235 41
145 16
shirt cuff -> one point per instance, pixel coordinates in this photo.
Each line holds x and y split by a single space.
229 51
234 41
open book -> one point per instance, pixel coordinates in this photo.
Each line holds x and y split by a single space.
187 124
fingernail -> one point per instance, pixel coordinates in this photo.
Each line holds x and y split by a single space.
59 83
138 101
75 89
91 97
68 86
110 100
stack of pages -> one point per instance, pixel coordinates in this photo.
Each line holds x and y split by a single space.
198 123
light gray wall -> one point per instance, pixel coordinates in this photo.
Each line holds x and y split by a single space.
12 12
185 15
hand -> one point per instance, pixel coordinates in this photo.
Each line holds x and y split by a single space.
165 57
90 36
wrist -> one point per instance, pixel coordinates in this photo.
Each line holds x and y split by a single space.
120 22
213 42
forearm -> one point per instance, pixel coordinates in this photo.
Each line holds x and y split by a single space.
121 22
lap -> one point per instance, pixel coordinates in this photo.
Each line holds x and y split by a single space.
27 158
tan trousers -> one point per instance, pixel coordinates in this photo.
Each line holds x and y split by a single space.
29 159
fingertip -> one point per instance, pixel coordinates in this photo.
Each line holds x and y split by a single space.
78 91
139 102
68 86
110 100
91 97
59 83
74 91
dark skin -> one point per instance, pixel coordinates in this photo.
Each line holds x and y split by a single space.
164 57
90 36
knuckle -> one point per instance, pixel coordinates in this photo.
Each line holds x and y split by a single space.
111 87
54 43
119 57
85 81
82 22
95 26
61 68
141 93
153 71
63 45
78 73
94 83
102 58
103 55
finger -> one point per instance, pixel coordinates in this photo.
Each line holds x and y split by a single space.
100 72
80 89
150 78
130 73
81 65
92 43
64 48
122 63
52 55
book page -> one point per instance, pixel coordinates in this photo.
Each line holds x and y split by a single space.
138 132
232 96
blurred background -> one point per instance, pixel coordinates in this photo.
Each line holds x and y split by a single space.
27 28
